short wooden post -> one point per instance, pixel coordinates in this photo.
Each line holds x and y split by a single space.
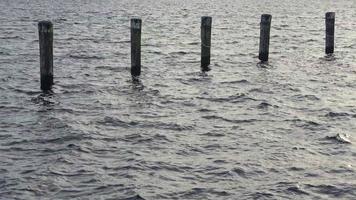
330 31
205 42
136 25
45 30
265 27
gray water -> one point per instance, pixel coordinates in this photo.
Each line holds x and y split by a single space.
285 130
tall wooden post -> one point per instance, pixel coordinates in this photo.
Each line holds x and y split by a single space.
205 42
265 27
45 30
329 31
136 25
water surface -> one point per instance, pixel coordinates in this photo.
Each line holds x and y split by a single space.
242 131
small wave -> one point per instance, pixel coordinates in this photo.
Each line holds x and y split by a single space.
339 114
167 126
162 166
307 124
213 134
352 46
4 136
311 40
202 77
205 110
212 147
214 117
307 97
110 186
261 90
157 85
232 99
120 42
28 171
161 137
332 190
261 195
195 192
4 53
117 122
79 148
236 82
220 161
193 43
56 140
28 92
17 149
111 68
86 57
138 139
12 37
342 170
296 190
155 52
296 169
178 53
240 171
125 168
136 197
264 105
59 20
66 160
78 172
11 108
342 138
144 124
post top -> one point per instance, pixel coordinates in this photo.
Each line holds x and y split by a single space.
330 15
45 23
266 18
136 19
206 20
45 27
136 23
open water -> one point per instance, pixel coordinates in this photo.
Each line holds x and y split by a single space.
286 130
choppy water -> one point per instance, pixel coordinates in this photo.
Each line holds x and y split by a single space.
283 131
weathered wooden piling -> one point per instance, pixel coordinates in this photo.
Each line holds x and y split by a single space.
205 42
329 31
45 30
136 25
265 27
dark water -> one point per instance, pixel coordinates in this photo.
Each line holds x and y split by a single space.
243 131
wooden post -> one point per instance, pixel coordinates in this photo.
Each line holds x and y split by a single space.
45 30
265 27
205 42
330 31
136 25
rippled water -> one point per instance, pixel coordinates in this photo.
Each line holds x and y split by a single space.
243 131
